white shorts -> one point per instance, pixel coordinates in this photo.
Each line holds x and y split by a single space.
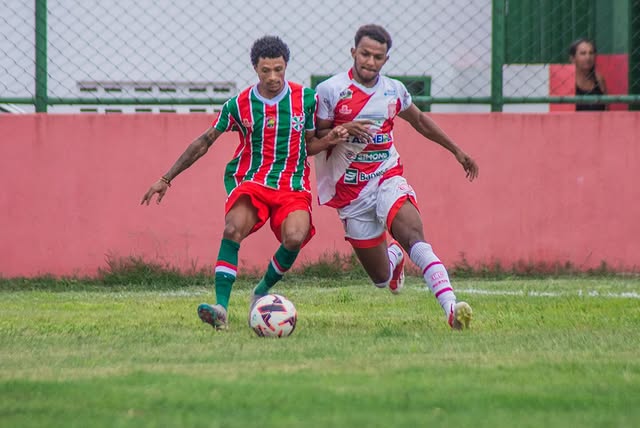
366 219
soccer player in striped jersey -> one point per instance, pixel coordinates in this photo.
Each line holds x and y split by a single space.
363 180
268 176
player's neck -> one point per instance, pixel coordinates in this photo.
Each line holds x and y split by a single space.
367 84
267 94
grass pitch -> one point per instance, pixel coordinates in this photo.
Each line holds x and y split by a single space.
544 352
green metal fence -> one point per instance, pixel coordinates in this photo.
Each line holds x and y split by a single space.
162 55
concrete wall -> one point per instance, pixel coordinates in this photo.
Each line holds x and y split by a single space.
552 188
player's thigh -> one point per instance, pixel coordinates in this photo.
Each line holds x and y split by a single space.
241 219
295 228
406 226
367 236
291 219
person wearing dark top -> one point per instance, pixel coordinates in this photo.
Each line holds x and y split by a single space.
582 53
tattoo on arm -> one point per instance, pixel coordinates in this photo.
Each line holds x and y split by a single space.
194 151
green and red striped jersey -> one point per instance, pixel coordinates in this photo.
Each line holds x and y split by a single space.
272 150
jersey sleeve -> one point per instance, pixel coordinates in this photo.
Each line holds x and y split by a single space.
225 121
310 109
404 96
326 103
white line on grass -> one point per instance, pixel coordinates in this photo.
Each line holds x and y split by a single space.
529 293
478 291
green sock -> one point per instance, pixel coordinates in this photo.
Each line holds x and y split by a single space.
280 263
226 271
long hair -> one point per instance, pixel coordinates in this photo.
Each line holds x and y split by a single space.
573 49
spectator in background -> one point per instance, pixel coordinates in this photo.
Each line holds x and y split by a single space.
582 53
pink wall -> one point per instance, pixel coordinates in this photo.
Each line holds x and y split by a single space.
552 187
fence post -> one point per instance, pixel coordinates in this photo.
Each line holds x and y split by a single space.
634 50
497 52
41 98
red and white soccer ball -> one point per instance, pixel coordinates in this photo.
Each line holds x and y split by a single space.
273 316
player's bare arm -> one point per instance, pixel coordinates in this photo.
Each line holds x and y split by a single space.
330 137
429 129
194 151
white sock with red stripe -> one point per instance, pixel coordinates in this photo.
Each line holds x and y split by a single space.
394 252
435 275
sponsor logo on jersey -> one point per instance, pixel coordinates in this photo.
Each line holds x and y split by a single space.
297 122
271 122
372 157
366 177
390 93
350 155
382 138
346 94
351 176
345 110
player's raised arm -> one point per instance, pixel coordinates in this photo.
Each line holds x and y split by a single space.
429 129
194 151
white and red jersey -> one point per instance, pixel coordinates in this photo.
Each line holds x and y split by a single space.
354 169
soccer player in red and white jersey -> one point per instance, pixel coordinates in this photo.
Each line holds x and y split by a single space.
268 176
362 178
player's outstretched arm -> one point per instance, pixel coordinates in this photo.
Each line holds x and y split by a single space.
194 151
428 128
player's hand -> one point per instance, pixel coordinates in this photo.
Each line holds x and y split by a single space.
468 164
361 129
159 187
339 134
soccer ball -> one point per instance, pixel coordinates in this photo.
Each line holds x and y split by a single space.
273 316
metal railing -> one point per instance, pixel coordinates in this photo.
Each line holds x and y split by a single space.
461 47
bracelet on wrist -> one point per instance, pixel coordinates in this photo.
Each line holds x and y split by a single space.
165 180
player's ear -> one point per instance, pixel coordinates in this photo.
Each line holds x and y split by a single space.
353 53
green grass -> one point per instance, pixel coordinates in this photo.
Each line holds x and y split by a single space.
543 352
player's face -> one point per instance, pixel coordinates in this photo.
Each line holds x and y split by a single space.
368 58
271 76
585 56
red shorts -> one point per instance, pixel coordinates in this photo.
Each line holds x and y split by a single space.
272 204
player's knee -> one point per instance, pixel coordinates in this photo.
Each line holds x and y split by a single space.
233 232
294 237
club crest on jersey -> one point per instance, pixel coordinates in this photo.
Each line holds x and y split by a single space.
346 94
297 122
345 110
271 122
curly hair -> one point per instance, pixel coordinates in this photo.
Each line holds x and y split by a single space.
269 47
375 32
